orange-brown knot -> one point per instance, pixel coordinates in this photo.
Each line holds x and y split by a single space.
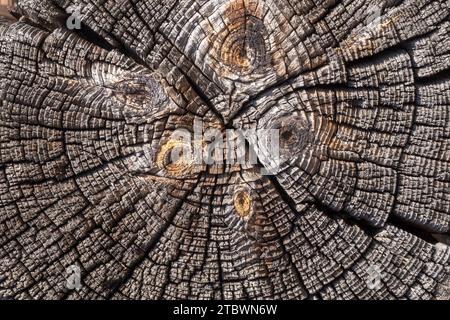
242 45
242 203
175 156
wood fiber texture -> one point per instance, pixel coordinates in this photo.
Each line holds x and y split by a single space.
359 89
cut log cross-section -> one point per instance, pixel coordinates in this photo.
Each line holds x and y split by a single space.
359 91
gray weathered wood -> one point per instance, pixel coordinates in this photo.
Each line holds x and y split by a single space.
85 118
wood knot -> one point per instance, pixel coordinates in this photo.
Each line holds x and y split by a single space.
294 132
175 157
241 46
288 136
137 89
242 203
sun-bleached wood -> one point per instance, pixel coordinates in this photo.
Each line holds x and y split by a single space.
363 109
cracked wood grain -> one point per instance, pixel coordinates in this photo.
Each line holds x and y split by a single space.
86 117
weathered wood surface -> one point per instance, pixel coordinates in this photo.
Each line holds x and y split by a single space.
364 104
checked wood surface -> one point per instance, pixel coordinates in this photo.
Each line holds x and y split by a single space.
363 109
